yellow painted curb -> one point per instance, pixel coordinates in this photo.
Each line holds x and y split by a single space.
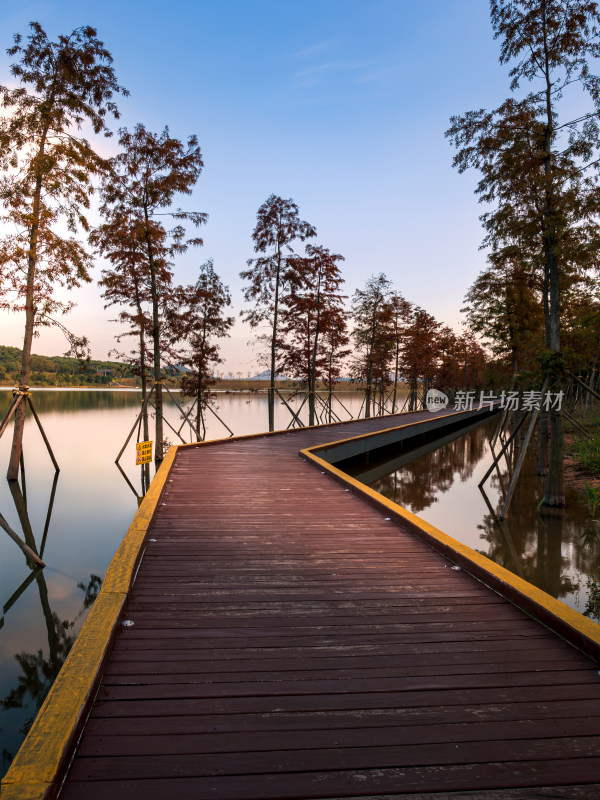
121 570
547 609
45 754
24 791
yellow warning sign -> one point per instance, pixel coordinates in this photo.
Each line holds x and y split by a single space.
143 452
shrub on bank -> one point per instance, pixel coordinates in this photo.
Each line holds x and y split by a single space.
589 453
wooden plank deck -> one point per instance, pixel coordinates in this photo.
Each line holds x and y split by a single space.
292 642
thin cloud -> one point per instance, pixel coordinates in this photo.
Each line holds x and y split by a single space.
331 66
384 75
313 49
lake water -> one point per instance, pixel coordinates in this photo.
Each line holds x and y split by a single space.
558 551
92 506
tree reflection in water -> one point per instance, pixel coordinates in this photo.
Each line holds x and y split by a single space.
556 550
39 670
424 479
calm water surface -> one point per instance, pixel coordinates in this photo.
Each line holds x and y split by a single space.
558 551
77 524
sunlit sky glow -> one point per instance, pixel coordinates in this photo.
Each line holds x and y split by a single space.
339 104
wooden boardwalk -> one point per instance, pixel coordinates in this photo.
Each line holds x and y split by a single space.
290 641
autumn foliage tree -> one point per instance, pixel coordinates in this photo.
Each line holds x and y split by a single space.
312 306
47 171
150 170
200 321
372 317
503 305
472 361
420 351
400 310
126 285
335 345
269 275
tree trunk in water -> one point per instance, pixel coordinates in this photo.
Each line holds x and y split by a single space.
17 442
144 381
143 374
158 451
555 491
370 368
158 456
396 376
554 494
12 472
542 465
313 365
312 387
198 414
592 376
311 404
274 344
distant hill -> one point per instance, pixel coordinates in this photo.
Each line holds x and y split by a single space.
265 375
60 370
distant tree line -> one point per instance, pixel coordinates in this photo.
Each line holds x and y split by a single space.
60 370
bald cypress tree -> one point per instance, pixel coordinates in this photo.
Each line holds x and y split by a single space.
147 175
48 168
540 166
373 316
552 44
313 304
278 224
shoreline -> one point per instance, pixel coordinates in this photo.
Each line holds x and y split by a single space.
221 389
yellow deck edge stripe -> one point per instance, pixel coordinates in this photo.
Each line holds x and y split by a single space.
573 619
121 569
47 747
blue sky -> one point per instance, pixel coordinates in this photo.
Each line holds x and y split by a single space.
339 104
